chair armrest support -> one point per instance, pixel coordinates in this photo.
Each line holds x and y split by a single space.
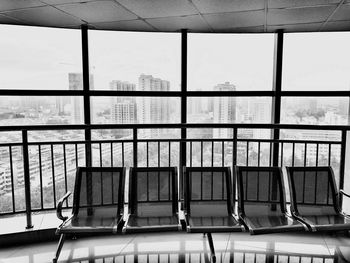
344 193
59 207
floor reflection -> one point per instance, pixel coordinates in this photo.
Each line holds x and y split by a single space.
189 249
235 253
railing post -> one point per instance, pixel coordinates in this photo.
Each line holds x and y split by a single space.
342 164
134 142
234 148
27 179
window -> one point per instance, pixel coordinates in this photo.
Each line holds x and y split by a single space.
245 62
34 110
315 110
316 61
135 60
39 58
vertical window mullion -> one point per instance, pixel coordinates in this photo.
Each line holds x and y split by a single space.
183 103
277 87
86 89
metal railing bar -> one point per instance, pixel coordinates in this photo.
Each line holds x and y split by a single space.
41 178
12 180
175 126
65 171
53 175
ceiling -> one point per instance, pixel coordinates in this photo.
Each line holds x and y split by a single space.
246 16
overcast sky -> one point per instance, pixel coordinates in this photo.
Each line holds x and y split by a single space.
41 58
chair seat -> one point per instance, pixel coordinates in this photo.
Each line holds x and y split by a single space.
329 222
89 224
213 224
152 224
272 224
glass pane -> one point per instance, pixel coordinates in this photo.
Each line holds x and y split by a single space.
229 109
316 61
30 110
56 135
130 58
130 110
317 111
39 58
230 59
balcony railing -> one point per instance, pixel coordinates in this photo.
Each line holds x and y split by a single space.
36 173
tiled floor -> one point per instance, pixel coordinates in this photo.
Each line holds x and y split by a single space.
182 247
17 223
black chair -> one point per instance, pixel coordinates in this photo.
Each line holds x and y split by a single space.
261 201
315 198
153 200
208 202
97 204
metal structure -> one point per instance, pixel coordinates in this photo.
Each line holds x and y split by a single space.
261 201
153 200
315 198
98 203
276 147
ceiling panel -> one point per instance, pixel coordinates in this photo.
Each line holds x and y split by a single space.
253 29
159 8
131 25
296 28
237 19
172 15
59 2
219 6
8 20
45 16
343 13
338 25
298 16
102 11
299 3
173 24
18 4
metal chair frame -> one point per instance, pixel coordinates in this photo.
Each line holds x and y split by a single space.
133 202
278 184
230 192
335 196
76 199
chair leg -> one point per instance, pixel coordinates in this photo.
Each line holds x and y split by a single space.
211 246
59 247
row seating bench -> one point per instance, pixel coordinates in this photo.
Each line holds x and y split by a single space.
209 201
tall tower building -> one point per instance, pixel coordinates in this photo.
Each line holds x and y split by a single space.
260 110
76 83
153 109
224 110
123 109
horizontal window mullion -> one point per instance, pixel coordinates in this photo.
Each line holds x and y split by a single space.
229 93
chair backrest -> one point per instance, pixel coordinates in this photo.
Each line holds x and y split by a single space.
153 191
208 191
313 190
260 191
99 191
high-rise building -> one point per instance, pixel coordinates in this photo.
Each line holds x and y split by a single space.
224 110
260 112
123 109
153 109
76 83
